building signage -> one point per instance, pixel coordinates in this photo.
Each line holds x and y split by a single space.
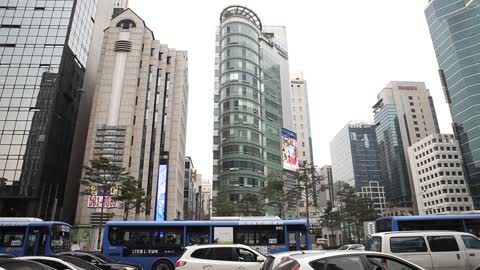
289 150
96 202
110 142
97 194
161 192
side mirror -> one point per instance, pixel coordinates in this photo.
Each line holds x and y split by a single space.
261 260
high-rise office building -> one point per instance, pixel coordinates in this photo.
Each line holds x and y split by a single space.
44 47
139 117
355 155
455 30
190 190
251 81
404 114
301 117
438 176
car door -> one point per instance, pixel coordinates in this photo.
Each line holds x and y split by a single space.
343 263
472 248
382 262
412 248
247 259
446 254
202 258
224 259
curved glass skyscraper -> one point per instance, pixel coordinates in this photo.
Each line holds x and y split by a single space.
241 111
252 88
455 30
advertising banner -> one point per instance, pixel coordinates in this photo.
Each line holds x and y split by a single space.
223 235
96 202
289 150
161 192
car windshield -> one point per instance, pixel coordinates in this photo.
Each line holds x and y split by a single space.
343 248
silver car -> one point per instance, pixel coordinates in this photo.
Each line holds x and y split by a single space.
347 260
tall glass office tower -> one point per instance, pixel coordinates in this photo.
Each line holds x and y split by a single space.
455 30
251 84
355 155
43 49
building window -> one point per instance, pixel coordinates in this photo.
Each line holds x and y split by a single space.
410 97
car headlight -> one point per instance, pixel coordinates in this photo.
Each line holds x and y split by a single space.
129 268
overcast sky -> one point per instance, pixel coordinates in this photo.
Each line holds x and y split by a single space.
348 50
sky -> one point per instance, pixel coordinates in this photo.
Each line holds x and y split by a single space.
348 51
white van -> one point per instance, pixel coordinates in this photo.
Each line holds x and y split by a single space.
432 250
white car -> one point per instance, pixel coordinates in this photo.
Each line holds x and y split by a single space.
55 263
347 260
352 247
275 259
220 257
430 249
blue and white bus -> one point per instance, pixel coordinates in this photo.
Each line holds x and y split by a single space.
33 237
462 223
158 244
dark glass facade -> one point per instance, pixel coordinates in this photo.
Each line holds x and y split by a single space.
455 30
393 164
43 50
365 154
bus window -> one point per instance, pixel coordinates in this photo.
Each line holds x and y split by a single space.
198 235
429 225
383 225
260 235
145 237
12 236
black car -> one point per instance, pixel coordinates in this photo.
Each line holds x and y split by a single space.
78 262
101 261
13 264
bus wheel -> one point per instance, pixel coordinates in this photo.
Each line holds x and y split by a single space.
162 265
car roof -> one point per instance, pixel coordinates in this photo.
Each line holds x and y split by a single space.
217 246
420 232
327 254
293 252
45 258
11 261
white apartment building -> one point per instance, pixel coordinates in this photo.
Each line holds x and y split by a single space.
376 194
440 186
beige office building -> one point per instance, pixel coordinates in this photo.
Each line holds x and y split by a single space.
404 115
301 116
139 117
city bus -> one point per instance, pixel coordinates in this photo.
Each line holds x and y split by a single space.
33 237
461 223
158 244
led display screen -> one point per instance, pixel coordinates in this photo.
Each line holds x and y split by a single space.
161 192
289 150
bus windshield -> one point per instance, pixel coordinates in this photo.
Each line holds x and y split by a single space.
60 238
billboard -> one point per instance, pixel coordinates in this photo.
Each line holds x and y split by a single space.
289 150
96 197
161 192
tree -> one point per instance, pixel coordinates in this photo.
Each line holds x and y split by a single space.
278 195
354 210
331 219
308 179
101 177
131 196
223 206
250 205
